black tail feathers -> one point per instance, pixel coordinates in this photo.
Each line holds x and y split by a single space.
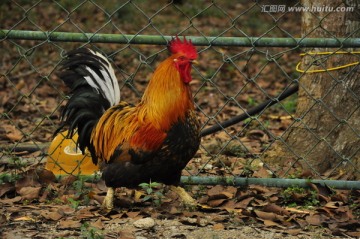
94 89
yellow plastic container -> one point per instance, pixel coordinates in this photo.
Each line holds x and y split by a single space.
65 158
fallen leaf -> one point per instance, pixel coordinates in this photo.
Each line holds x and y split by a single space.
314 219
295 210
322 189
28 179
66 210
218 226
25 218
276 209
333 205
45 176
69 224
97 224
293 232
3 219
15 135
270 223
259 202
244 203
29 193
269 216
54 216
216 190
126 235
68 180
216 203
11 200
84 213
234 211
132 214
260 189
258 135
262 173
6 188
353 234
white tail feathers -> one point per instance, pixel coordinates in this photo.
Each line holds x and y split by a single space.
106 83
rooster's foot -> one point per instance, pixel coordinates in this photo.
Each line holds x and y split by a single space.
108 203
187 200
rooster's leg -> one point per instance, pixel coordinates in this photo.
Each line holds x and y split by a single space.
185 197
108 203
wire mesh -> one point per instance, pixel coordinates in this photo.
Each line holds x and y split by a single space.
248 54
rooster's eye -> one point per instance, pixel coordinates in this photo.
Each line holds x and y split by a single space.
182 58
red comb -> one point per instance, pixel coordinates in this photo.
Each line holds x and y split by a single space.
186 47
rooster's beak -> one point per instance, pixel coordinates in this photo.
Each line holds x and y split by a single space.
195 62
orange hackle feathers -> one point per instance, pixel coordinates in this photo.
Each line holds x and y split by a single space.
166 100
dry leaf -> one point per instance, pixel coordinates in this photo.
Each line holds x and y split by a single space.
216 202
15 136
269 216
258 135
11 200
333 205
218 226
29 193
244 203
276 209
6 188
132 214
66 210
29 179
263 173
216 190
69 224
270 223
260 189
294 210
97 224
45 176
54 216
353 234
314 219
293 232
84 213
25 218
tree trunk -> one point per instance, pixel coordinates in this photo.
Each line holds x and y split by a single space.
326 138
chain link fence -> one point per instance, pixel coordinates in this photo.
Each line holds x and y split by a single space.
250 55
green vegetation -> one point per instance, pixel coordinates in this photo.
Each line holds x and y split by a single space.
153 192
88 232
296 196
82 192
9 178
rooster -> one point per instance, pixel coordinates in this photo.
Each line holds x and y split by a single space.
151 141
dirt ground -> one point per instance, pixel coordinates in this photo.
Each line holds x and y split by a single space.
174 229
39 205
206 227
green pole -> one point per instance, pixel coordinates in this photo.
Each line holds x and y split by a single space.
239 182
268 182
162 40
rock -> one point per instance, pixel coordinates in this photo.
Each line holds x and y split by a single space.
145 223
